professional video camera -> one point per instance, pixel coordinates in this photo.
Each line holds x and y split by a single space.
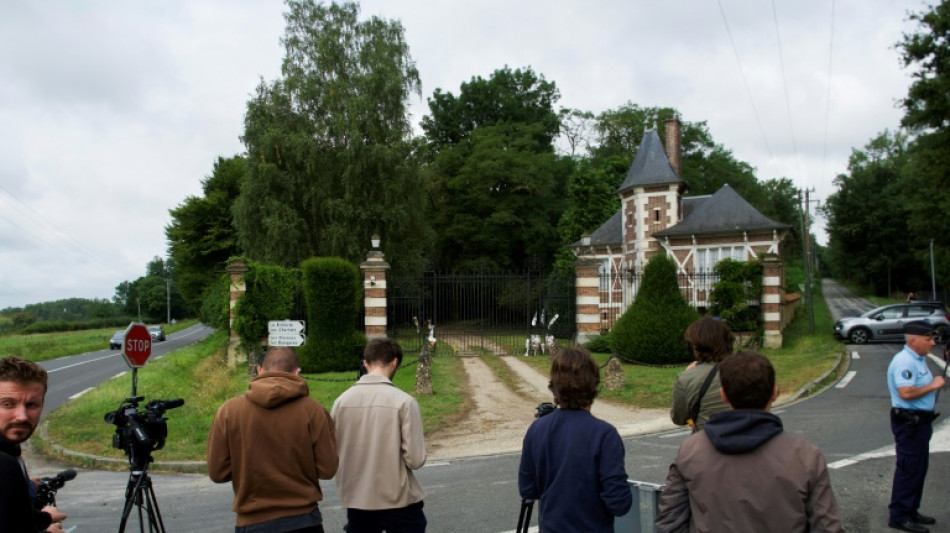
47 487
141 431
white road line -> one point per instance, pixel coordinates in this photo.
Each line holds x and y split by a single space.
675 434
940 442
938 361
120 374
532 529
846 379
855 355
80 393
83 362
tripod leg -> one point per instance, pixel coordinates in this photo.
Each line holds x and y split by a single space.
131 493
155 522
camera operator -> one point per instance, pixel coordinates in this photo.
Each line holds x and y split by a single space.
22 393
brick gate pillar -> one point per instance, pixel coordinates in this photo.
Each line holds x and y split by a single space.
773 295
374 294
236 271
587 288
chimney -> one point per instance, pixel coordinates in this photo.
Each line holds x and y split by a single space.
673 147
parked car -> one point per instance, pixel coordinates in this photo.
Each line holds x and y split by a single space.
157 332
887 323
118 337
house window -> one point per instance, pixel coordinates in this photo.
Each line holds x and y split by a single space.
656 214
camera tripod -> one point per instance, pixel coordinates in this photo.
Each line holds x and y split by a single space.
140 494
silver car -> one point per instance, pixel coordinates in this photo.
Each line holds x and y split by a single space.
887 323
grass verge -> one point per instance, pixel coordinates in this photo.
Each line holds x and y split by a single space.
44 346
198 374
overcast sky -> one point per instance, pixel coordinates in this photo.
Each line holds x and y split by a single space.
111 113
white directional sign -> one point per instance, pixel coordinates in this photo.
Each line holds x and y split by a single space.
286 332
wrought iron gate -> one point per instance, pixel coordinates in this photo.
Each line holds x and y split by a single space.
483 312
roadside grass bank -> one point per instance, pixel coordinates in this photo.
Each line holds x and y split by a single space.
199 374
803 358
45 346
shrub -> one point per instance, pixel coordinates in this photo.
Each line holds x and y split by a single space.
215 307
271 293
332 290
598 344
739 283
651 329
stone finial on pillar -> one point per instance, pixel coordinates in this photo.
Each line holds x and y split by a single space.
236 271
587 288
374 294
773 294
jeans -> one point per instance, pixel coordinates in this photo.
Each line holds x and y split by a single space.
409 519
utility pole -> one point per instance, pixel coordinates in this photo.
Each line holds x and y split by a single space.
168 295
809 302
933 276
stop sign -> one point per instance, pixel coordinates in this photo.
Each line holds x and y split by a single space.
137 345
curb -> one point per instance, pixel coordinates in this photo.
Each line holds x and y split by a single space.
90 460
809 387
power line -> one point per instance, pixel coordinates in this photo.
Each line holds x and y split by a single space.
788 102
831 55
745 82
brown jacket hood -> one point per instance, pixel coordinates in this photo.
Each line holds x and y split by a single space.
270 389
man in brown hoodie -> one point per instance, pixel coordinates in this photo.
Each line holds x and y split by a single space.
274 443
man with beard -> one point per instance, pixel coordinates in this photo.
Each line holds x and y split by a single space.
22 393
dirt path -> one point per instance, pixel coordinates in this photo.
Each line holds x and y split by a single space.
500 416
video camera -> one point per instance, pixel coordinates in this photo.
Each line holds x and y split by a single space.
141 431
47 487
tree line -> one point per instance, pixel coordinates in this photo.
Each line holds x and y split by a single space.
885 215
499 174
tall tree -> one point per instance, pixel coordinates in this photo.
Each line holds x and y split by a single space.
201 235
867 222
496 186
329 143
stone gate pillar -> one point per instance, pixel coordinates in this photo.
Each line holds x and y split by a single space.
773 295
374 294
236 271
587 288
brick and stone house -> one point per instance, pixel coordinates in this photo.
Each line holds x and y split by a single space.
657 217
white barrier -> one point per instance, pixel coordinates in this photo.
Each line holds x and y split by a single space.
643 513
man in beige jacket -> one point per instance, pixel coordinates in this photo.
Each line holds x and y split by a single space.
380 442
742 472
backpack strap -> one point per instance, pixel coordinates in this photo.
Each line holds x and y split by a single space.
694 412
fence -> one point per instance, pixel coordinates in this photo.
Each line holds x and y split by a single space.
482 312
619 288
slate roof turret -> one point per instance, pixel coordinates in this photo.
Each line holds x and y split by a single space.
650 166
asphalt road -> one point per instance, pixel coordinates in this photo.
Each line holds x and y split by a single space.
848 421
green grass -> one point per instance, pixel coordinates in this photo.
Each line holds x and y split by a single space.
198 374
43 346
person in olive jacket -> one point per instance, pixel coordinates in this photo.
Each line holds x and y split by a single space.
709 340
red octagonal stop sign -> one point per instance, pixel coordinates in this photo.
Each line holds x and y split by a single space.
137 345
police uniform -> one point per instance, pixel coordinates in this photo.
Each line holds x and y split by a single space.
911 424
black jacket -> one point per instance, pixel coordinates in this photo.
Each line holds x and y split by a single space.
16 511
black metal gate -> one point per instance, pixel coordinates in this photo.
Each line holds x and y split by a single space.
483 312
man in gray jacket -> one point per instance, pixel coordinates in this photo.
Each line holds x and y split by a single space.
725 478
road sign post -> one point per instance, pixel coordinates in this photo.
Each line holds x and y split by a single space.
286 333
136 349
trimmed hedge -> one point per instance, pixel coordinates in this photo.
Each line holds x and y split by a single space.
333 293
739 283
271 294
215 308
651 330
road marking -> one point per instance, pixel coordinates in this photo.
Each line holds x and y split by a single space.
532 529
940 442
437 463
855 355
938 361
675 434
82 363
80 393
120 374
846 379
